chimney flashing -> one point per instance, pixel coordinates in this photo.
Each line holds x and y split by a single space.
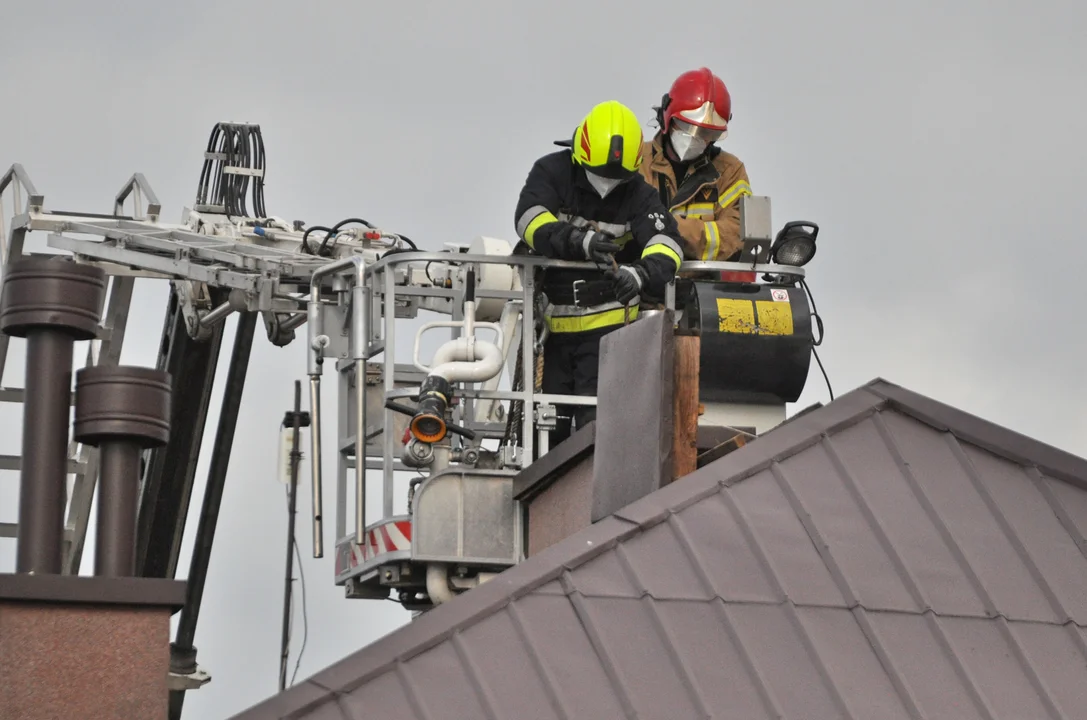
634 416
549 469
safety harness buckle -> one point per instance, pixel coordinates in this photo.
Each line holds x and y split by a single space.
576 283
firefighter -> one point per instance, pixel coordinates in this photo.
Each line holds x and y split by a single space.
700 183
588 203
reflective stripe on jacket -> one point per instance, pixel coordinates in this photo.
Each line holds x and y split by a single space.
557 204
706 201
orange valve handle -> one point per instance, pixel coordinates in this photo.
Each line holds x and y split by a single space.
450 427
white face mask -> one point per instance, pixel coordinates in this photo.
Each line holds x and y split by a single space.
602 185
687 147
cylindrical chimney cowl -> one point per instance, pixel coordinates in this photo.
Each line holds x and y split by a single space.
123 411
51 302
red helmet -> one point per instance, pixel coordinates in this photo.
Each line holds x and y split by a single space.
700 98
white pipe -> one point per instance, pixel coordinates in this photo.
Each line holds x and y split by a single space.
437 583
508 322
470 318
467 360
446 353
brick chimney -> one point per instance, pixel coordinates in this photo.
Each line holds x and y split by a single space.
76 646
645 434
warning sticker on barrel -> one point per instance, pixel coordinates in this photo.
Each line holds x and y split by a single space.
779 295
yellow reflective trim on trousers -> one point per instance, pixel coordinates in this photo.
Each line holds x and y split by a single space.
663 250
538 222
585 323
734 191
713 242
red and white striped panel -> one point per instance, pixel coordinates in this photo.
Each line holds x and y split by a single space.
391 536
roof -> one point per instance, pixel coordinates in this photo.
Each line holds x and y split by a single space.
885 556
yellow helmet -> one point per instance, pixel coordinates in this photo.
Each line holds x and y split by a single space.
608 143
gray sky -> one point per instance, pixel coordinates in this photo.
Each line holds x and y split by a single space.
939 145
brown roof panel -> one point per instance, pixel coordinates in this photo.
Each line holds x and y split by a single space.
880 557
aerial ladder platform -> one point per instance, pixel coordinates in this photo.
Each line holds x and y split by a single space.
454 428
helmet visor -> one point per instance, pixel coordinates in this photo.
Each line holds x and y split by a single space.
705 134
611 171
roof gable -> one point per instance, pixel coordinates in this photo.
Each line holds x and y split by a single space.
883 556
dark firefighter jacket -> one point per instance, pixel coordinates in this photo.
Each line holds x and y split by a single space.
706 201
557 203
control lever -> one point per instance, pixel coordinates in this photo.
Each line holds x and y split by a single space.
462 431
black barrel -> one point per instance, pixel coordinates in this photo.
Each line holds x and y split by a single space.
756 340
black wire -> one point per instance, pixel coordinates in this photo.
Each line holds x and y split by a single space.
819 322
814 311
305 614
409 241
823 370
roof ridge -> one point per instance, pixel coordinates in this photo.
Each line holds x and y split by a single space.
997 439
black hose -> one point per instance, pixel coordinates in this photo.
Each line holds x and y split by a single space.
336 228
305 235
330 233
258 190
348 221
238 146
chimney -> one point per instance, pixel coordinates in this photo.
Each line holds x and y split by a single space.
645 434
78 646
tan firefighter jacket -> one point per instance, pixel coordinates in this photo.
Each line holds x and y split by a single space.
705 204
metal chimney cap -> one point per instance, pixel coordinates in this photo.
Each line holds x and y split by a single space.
41 292
122 403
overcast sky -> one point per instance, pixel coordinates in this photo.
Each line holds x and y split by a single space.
940 146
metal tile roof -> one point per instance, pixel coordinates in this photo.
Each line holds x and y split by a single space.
885 556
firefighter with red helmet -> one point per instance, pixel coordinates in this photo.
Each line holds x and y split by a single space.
700 183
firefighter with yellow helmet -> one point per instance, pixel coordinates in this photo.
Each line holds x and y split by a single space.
589 203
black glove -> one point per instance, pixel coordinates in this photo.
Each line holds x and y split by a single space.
627 282
598 247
